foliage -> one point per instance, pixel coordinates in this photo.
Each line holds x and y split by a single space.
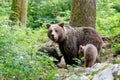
108 20
116 44
18 59
43 11
5 8
18 46
109 26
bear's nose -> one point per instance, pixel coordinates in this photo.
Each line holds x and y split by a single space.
52 35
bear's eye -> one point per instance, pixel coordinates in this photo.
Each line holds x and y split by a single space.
50 31
56 30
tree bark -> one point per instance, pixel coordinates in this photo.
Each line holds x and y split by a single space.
83 13
16 9
23 15
19 14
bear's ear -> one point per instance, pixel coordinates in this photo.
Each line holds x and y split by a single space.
48 25
61 24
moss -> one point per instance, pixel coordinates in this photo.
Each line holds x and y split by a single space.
96 72
15 15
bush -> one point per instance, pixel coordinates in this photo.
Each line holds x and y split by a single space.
18 47
108 20
44 11
108 24
18 59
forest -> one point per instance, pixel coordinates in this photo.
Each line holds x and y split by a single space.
23 33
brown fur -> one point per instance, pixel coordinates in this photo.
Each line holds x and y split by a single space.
69 39
90 53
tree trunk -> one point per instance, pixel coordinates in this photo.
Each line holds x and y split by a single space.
15 15
83 13
19 14
23 15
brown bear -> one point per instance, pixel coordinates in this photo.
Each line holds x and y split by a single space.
69 39
90 54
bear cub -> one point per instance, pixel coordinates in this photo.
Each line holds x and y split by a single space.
90 54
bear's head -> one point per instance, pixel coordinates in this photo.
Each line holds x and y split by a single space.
81 51
56 32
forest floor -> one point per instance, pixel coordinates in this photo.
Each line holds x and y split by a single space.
108 59
78 70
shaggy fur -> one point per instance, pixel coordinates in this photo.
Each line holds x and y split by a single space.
69 39
90 54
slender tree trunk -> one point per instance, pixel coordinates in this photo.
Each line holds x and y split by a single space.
83 13
23 15
19 14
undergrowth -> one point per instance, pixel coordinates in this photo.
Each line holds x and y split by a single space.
18 45
18 59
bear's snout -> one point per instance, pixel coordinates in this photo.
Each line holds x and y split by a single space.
52 35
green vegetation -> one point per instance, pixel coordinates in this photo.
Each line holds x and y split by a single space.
108 22
18 45
43 11
18 57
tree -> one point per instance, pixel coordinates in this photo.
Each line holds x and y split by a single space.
83 13
23 15
19 14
